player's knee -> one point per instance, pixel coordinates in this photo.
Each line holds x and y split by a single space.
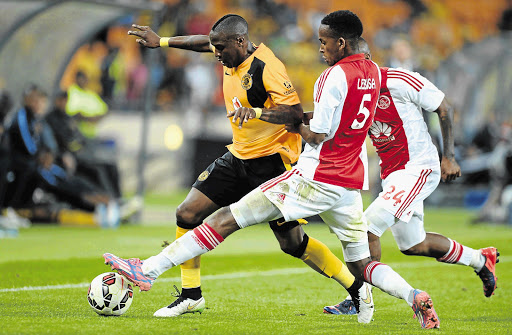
294 248
417 250
187 218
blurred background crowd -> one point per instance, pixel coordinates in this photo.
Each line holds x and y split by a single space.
71 149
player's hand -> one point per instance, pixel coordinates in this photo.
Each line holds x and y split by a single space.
242 114
148 37
450 170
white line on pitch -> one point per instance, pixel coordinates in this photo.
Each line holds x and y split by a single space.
232 275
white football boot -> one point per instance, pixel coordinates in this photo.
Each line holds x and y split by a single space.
364 304
181 306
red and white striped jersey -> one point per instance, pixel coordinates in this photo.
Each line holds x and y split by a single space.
399 132
345 99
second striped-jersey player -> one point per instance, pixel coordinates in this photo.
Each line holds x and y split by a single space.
403 143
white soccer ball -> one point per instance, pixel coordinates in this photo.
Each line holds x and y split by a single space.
110 294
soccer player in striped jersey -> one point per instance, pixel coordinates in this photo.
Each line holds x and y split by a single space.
261 150
326 180
410 172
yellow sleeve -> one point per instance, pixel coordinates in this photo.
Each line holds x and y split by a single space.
278 85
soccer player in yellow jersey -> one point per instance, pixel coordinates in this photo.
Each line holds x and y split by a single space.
260 99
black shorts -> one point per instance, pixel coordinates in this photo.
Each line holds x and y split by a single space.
228 178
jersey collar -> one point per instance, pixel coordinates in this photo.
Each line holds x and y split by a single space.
352 58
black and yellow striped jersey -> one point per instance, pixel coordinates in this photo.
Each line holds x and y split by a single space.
261 81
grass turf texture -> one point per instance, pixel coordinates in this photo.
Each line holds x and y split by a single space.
250 286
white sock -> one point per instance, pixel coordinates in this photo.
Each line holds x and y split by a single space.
154 266
460 254
477 260
384 277
194 243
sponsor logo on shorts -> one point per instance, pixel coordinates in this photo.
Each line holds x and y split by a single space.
203 176
246 81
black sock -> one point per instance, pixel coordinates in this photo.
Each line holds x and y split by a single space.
354 288
192 293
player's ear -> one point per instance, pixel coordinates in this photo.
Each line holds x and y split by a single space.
240 40
341 43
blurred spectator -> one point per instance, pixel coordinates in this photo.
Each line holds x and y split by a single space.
77 153
200 96
9 221
137 81
498 206
87 59
108 79
402 55
505 23
86 105
33 152
173 88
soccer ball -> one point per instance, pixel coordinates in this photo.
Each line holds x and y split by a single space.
110 294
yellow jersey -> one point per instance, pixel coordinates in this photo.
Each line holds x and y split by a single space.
261 81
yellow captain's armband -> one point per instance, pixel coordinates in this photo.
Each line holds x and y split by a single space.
164 42
258 112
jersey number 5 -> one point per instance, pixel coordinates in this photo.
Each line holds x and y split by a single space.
362 110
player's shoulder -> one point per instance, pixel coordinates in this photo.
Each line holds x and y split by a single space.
404 79
331 73
267 56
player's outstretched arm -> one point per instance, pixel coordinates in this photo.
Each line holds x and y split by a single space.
281 114
450 169
150 39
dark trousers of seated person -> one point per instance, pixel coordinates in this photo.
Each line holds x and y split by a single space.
76 191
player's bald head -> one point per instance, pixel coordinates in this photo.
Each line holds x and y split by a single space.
364 48
231 25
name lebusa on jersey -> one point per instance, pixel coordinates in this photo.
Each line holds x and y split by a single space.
365 84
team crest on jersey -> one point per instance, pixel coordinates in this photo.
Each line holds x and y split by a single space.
203 176
381 131
384 102
246 81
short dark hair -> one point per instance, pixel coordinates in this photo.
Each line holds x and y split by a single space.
31 87
344 23
231 24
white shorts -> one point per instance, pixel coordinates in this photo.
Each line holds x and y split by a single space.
294 197
400 205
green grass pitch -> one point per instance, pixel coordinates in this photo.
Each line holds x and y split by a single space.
250 286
